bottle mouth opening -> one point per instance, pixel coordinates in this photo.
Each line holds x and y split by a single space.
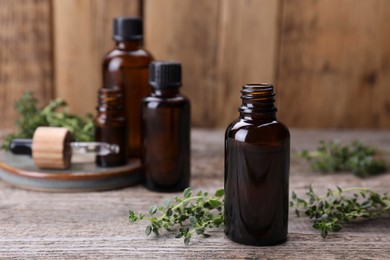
258 86
257 91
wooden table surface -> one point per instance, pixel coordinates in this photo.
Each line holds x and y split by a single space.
95 224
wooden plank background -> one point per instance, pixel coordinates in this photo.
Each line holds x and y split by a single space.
329 60
335 63
25 54
222 45
82 35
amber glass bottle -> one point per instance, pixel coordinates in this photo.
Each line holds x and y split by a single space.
166 129
127 66
257 154
111 126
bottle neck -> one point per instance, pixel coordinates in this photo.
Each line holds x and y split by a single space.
258 103
165 92
129 45
110 102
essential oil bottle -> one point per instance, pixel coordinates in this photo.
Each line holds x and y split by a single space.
111 126
257 160
127 66
166 130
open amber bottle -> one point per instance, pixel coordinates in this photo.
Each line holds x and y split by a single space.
111 126
257 154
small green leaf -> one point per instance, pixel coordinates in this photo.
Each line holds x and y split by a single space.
214 203
336 228
199 231
324 233
152 210
293 195
316 225
167 203
187 240
193 221
218 221
187 193
132 216
219 193
148 230
184 230
169 212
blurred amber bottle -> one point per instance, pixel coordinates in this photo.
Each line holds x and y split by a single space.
127 66
111 126
166 129
257 154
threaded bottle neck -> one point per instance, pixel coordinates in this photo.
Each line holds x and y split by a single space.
110 102
257 102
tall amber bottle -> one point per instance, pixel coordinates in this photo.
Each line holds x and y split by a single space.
111 126
257 159
166 129
127 66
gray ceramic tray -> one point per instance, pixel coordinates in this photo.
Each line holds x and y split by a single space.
20 171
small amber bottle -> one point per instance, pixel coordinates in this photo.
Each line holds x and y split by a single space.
111 126
257 154
166 130
127 66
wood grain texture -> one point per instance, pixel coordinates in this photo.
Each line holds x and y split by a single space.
222 45
25 54
95 225
329 60
335 64
82 35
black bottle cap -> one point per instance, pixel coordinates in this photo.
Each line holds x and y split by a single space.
127 28
165 74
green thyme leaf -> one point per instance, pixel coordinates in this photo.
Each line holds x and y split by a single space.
152 210
148 230
219 193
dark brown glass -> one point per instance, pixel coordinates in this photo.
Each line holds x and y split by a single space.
166 142
111 126
127 66
257 159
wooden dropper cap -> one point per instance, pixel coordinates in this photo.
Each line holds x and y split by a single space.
51 147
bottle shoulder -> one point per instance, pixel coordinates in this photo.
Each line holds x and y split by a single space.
255 132
156 101
132 58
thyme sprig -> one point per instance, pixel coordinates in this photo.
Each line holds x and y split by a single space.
340 206
185 216
53 114
355 157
